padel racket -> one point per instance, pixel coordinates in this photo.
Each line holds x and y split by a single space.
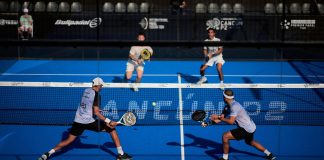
128 119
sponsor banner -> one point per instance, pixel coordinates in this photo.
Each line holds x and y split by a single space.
301 24
93 23
5 22
225 23
153 23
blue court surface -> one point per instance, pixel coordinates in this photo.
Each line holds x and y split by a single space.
289 120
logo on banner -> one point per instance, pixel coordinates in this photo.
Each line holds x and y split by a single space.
4 22
302 24
152 23
224 23
91 23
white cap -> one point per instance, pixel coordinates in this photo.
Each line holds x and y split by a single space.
25 10
97 82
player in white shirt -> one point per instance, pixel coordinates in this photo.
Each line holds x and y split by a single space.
245 126
135 62
88 109
213 55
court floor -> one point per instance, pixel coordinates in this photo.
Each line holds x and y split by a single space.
143 142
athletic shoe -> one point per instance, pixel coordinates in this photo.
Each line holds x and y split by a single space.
202 80
125 156
270 157
44 156
135 88
221 86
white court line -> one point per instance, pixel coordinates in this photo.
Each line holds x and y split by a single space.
181 120
162 75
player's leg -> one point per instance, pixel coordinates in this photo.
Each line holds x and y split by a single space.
59 146
129 72
116 140
220 72
30 31
227 136
220 75
202 74
65 142
259 147
140 71
20 32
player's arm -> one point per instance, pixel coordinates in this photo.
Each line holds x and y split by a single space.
230 120
96 111
21 20
219 50
205 52
133 57
30 20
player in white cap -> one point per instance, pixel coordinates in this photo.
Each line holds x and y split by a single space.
84 120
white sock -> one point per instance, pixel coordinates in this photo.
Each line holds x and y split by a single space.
267 152
51 152
120 150
221 81
225 156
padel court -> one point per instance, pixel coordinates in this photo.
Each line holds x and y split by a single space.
39 99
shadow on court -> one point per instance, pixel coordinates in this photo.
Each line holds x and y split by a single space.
217 148
189 78
255 91
78 144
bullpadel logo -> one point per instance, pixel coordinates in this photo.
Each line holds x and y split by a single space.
93 23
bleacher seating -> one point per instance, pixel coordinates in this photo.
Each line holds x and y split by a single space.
132 7
76 7
40 6
280 8
64 7
269 8
213 8
120 7
226 8
145 7
3 6
238 8
201 8
295 8
52 7
14 6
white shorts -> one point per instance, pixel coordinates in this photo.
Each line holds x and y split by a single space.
132 67
214 60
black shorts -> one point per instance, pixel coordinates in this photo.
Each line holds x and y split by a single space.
241 133
97 126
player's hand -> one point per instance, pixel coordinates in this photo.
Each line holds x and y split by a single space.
221 117
139 61
215 118
204 124
112 124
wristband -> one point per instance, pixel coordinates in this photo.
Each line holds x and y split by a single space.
107 120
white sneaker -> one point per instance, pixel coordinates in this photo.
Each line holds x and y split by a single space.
135 88
202 80
221 86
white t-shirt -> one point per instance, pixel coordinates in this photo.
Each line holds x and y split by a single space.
212 49
84 113
242 118
136 50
